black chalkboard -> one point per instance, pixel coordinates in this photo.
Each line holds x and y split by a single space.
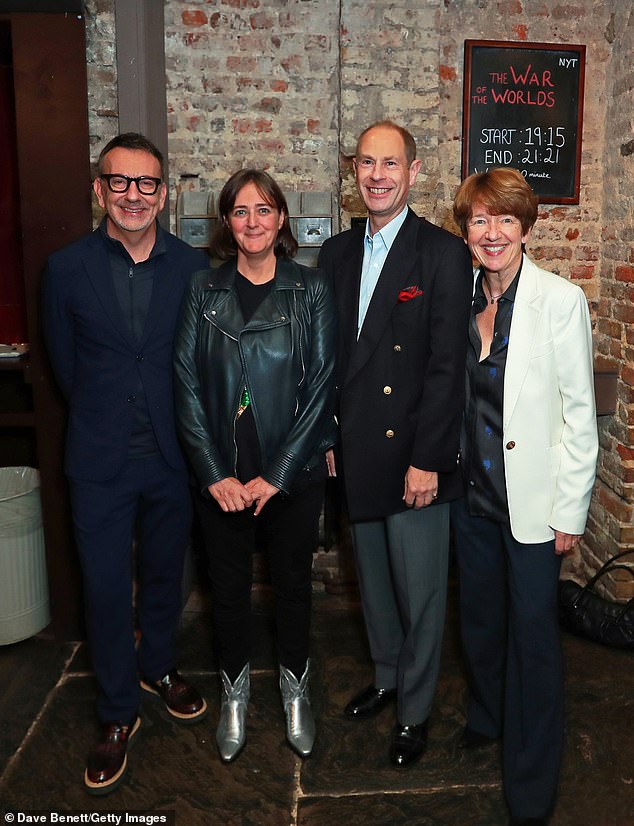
523 107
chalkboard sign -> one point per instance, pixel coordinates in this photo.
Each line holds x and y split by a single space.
523 107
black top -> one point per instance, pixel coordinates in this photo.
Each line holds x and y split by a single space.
482 448
133 284
249 464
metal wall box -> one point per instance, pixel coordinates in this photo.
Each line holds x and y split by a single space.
294 203
196 218
312 232
317 203
310 214
195 231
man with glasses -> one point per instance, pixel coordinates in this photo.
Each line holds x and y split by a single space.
110 307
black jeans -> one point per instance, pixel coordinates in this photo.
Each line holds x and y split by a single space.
288 530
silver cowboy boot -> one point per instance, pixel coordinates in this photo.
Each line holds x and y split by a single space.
231 733
300 724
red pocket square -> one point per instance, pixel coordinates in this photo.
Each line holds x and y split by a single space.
408 293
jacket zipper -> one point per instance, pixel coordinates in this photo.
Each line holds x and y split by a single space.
301 354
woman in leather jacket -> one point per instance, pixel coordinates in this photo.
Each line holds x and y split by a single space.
254 383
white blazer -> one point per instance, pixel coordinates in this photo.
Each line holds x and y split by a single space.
549 421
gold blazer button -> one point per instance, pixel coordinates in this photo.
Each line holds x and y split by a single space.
510 445
387 389
389 434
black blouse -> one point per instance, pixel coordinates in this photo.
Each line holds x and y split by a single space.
482 448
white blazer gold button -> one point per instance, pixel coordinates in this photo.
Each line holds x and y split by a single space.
510 445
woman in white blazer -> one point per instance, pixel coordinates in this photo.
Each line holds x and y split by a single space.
528 456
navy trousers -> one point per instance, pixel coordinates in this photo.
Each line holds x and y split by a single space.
510 634
150 502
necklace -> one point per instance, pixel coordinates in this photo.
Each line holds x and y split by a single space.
493 298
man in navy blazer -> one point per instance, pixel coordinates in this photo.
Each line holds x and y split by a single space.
110 307
403 290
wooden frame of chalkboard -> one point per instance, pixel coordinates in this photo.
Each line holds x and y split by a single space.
523 107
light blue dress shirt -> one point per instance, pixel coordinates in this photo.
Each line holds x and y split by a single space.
375 250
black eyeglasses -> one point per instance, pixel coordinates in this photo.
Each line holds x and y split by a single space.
121 183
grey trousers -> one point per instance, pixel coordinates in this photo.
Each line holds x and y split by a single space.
402 565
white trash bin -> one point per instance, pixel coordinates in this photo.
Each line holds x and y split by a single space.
24 603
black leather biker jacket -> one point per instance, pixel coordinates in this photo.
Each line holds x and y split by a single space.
284 355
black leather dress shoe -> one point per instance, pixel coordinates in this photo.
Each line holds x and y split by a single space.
408 744
528 821
471 740
369 702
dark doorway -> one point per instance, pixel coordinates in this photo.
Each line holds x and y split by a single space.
44 124
12 300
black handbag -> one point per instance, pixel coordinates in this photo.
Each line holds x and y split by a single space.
585 613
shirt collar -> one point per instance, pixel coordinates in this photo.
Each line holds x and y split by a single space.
479 298
389 232
116 245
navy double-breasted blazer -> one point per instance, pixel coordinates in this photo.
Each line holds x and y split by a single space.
401 384
97 359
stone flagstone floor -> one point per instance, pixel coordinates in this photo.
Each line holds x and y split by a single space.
47 727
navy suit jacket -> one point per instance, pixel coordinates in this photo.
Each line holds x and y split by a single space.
401 385
97 360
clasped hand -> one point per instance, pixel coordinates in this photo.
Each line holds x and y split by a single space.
232 496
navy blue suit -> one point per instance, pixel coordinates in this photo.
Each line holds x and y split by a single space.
101 367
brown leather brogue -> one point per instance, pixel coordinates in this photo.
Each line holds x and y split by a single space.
107 762
181 699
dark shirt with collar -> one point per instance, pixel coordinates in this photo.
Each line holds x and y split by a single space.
482 448
133 284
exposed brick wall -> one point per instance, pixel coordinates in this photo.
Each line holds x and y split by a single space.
101 56
611 521
287 85
252 83
389 69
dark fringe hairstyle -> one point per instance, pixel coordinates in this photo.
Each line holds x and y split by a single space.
503 191
223 245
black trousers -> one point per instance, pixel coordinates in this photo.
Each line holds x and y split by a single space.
288 530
